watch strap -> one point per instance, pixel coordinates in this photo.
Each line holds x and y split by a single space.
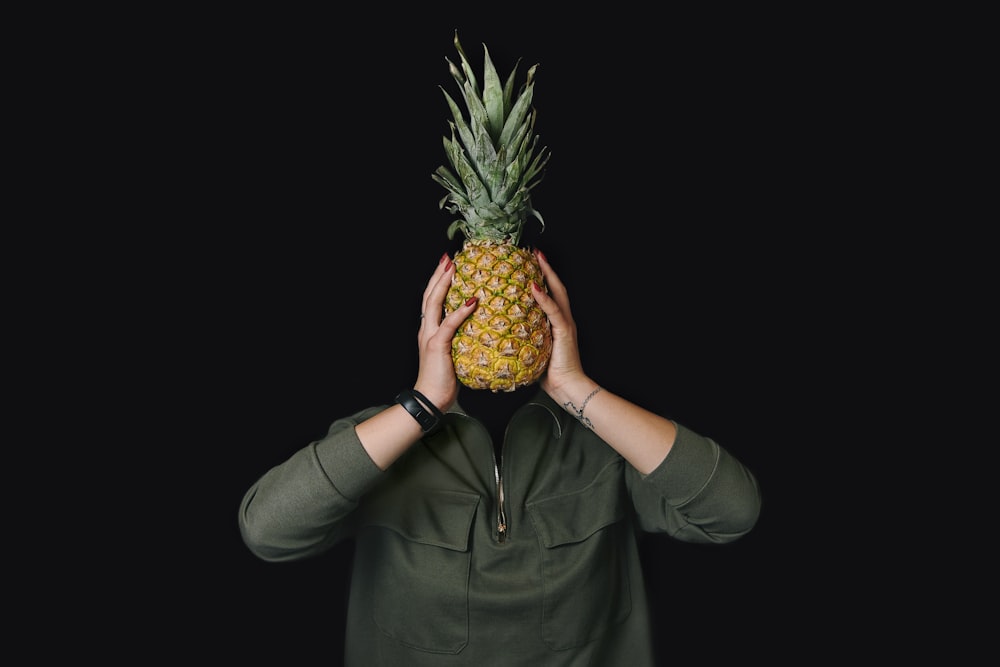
421 409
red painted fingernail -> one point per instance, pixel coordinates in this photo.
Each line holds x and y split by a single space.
471 300
541 254
443 257
535 286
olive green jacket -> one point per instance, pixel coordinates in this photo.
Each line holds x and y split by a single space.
436 581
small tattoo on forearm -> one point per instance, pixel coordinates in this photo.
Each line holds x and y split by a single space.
578 412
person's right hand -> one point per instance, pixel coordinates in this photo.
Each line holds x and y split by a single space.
436 378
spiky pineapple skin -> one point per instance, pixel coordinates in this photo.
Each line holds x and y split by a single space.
506 342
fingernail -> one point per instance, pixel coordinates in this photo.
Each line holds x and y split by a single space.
471 300
447 265
535 286
443 257
541 254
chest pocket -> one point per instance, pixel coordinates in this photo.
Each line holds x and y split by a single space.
584 565
418 552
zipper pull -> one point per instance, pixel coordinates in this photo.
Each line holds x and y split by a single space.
501 532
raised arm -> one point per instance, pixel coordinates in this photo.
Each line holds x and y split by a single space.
643 438
390 433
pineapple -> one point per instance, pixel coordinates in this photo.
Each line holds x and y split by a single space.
506 342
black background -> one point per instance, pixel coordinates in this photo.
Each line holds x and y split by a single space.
275 173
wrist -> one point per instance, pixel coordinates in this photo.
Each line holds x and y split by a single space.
442 401
578 406
575 390
425 412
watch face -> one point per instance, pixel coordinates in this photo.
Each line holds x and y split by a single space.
424 417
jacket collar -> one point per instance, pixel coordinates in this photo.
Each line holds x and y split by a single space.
540 401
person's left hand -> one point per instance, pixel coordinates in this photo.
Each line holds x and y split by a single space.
565 366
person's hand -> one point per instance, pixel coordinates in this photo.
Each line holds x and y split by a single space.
565 367
436 378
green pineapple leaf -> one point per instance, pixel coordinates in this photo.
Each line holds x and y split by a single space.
493 152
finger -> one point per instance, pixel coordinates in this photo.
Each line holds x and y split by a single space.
547 270
547 304
450 324
434 302
557 296
440 277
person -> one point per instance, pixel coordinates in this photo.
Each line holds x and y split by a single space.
522 551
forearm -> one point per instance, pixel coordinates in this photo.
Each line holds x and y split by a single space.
643 438
298 508
702 494
301 506
387 435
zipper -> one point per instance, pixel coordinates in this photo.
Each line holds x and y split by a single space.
501 516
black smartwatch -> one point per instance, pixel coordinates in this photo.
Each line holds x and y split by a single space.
425 412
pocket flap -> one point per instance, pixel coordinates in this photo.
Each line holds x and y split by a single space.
437 518
573 517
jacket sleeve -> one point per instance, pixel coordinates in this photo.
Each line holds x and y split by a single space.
699 493
302 507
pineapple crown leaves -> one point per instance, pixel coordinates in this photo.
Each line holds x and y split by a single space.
494 155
